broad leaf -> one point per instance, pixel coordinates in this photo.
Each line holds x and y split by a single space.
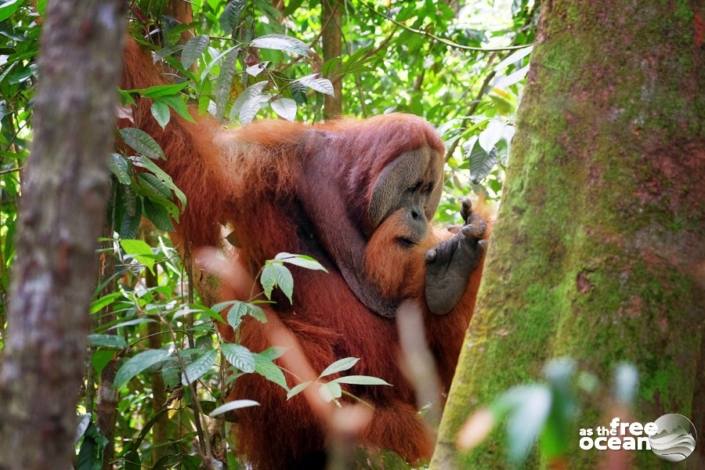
270 371
178 104
361 380
285 107
481 162
140 251
158 215
193 49
142 142
340 365
231 15
159 91
139 363
224 83
276 274
120 167
281 42
297 389
160 111
200 366
233 405
249 102
303 261
107 341
239 356
321 85
162 176
9 7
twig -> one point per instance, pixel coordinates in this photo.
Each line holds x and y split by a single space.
445 41
201 431
10 170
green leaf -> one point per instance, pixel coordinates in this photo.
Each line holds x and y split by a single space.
249 102
481 163
330 391
9 7
270 371
160 111
178 104
158 215
132 460
136 321
303 261
102 302
154 189
340 365
142 142
361 380
120 167
321 85
231 15
239 356
139 363
159 91
162 176
281 42
107 341
193 49
140 251
297 389
224 83
233 405
152 186
275 352
90 456
199 367
236 312
285 107
276 274
100 358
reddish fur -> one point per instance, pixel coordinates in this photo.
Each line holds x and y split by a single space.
246 178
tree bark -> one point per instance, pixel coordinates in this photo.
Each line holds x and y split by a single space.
331 37
62 211
598 252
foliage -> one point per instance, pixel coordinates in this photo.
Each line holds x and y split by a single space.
460 65
546 413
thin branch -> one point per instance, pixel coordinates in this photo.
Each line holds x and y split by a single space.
445 41
10 170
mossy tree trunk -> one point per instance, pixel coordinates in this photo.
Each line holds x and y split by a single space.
598 252
64 194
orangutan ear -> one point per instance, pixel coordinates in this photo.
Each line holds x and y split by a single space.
391 183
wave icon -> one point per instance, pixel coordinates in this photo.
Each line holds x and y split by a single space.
675 439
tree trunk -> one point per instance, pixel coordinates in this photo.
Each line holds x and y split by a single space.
331 22
598 252
62 211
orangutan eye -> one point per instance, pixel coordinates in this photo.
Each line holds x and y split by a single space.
415 187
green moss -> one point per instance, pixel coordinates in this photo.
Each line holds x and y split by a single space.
582 258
